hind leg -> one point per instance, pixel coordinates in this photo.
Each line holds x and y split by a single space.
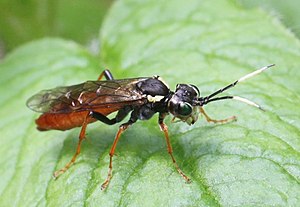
107 74
81 138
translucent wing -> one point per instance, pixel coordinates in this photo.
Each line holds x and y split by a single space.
87 96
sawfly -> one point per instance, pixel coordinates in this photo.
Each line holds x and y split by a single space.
67 107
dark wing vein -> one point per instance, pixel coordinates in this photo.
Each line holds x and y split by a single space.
87 96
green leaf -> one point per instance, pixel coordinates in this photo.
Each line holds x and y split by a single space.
287 11
31 19
252 162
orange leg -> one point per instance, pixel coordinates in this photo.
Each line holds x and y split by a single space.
81 138
222 121
111 154
164 128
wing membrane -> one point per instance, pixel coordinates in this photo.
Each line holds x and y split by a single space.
87 96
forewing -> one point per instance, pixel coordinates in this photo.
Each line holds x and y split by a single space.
87 96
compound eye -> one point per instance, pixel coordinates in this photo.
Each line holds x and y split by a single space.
185 109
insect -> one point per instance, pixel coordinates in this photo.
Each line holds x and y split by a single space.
67 107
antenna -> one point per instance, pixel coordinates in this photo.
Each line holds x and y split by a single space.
239 80
207 99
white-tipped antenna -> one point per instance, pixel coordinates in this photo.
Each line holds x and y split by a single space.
238 98
208 99
244 100
237 81
255 73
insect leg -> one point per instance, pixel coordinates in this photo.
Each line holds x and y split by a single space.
122 128
208 119
103 118
107 74
164 128
81 138
122 113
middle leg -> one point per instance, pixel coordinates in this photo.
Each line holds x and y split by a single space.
122 113
122 128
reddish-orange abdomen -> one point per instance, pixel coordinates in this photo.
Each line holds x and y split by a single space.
65 121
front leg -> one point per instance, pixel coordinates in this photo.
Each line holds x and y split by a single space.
164 128
222 121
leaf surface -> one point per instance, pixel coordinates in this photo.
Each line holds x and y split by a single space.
252 162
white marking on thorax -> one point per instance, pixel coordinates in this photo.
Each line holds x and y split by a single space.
154 99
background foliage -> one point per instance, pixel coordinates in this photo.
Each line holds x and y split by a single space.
252 162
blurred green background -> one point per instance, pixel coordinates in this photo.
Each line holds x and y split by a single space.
25 20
